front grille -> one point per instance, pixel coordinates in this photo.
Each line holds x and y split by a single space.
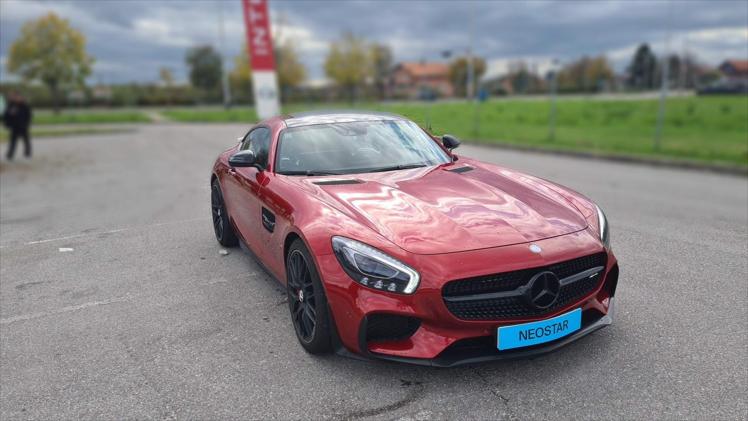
383 327
482 307
485 346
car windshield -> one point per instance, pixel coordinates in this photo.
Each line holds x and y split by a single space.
356 147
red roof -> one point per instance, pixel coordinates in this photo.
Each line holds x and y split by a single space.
422 69
739 66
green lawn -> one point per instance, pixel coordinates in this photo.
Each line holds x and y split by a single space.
702 128
211 115
67 131
90 117
713 129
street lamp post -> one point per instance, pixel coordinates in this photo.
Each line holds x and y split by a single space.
224 73
663 99
470 65
554 89
663 84
470 75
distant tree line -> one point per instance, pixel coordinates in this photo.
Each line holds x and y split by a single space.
595 74
51 60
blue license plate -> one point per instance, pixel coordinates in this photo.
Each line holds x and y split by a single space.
533 333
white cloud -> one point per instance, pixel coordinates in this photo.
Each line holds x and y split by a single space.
4 76
23 11
16 10
131 39
711 45
732 35
538 64
160 32
303 38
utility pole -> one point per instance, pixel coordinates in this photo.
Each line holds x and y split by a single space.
683 69
663 85
224 73
554 90
470 67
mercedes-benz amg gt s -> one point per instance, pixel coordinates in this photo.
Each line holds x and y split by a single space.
391 246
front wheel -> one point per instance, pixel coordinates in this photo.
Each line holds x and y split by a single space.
307 301
221 225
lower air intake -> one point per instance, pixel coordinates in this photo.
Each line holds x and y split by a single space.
390 327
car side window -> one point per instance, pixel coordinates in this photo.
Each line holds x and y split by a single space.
258 141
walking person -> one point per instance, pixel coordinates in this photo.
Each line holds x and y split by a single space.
17 118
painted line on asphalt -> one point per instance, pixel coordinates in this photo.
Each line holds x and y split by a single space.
112 231
70 237
67 309
128 297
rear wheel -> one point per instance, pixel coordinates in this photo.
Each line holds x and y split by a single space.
221 225
307 301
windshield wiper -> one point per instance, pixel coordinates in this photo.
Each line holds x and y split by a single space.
309 173
397 167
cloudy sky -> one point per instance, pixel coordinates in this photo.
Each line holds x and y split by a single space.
132 39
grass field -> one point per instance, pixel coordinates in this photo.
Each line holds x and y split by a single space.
67 131
713 129
46 117
710 129
211 115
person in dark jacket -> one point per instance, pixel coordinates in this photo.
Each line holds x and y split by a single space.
17 118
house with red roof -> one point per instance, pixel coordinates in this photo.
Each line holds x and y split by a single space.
735 71
420 80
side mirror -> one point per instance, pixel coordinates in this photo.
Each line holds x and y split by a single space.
450 142
244 158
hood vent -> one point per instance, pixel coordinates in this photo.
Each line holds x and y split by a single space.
337 182
461 169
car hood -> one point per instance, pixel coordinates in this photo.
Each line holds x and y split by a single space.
439 210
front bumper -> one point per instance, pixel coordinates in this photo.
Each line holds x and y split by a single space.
485 351
442 339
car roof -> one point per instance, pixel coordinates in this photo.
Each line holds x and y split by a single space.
337 116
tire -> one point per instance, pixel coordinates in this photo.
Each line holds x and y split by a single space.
221 224
308 308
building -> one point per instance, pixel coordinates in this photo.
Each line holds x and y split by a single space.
420 80
735 71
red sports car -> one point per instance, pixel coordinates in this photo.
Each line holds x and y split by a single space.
391 247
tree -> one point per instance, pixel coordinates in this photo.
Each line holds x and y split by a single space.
205 68
458 73
166 76
684 71
291 73
696 74
381 63
52 52
240 77
641 71
167 79
598 74
586 75
348 63
521 79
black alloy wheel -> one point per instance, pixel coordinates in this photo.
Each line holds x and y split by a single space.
301 296
307 301
221 225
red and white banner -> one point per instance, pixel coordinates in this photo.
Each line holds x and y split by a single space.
261 60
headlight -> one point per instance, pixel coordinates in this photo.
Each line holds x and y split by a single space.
374 269
602 223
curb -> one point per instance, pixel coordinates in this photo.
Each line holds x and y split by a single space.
629 159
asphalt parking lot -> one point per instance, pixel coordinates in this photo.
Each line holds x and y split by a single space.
115 302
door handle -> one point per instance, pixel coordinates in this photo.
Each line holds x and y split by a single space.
268 219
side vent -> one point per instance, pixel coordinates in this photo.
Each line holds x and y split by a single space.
337 182
461 169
